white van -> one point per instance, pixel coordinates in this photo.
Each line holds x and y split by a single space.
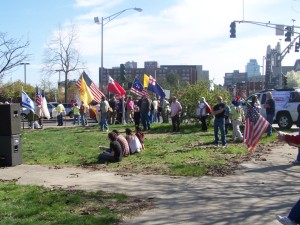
286 103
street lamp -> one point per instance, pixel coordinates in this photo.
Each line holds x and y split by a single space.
102 23
58 82
24 72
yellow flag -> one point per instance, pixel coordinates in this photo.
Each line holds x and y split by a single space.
85 92
146 80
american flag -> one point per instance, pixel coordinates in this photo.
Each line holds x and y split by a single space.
38 96
255 126
138 88
97 94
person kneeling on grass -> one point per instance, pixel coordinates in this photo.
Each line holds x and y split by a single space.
114 152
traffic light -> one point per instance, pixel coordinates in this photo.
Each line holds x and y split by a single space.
288 34
284 80
297 46
232 30
122 72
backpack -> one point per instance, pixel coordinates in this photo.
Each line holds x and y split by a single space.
208 108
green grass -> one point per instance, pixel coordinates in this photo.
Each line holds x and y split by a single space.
188 153
39 205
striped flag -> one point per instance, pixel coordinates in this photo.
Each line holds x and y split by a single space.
97 94
138 88
38 96
255 126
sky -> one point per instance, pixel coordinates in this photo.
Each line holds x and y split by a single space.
171 32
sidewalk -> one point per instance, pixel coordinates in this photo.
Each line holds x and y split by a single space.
255 195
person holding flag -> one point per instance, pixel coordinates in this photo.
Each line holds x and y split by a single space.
38 110
28 103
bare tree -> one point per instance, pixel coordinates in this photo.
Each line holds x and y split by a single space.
61 55
12 53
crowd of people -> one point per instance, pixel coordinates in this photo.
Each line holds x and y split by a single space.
225 115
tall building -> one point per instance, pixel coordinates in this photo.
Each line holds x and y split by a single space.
131 65
187 73
252 68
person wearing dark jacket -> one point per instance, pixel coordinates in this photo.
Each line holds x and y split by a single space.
114 152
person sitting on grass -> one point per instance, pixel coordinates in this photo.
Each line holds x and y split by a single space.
133 141
123 142
114 152
140 135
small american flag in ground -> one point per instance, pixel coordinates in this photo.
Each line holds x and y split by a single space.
255 126
38 96
94 89
138 88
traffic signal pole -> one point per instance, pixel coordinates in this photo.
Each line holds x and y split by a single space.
284 28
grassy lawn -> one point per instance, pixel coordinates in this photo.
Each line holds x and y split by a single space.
38 205
188 153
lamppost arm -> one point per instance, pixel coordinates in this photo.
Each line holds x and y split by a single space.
113 16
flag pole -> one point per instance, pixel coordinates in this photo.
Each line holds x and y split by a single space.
123 111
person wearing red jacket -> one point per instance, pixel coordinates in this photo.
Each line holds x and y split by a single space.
294 215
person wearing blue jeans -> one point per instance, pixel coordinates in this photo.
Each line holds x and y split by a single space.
104 105
219 122
145 112
294 215
270 111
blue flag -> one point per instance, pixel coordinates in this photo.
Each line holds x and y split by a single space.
27 102
154 87
138 88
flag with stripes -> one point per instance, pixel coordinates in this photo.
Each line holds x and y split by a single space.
97 94
255 126
38 96
138 88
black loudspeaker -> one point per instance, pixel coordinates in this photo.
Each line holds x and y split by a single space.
10 150
10 122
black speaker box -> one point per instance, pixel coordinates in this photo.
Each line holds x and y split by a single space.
10 150
10 122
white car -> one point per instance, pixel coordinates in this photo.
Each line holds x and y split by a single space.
286 103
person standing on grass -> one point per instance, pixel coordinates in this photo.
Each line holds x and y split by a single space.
270 111
60 109
76 113
203 114
104 109
145 110
175 112
219 121
113 114
83 111
130 109
237 117
114 152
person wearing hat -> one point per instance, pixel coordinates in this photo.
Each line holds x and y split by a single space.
237 116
